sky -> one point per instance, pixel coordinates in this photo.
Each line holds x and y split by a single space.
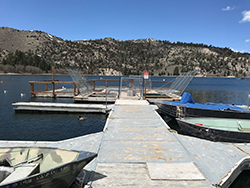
220 23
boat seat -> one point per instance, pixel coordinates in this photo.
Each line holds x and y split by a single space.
245 129
22 171
5 171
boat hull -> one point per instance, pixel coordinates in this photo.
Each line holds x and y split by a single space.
213 134
176 111
59 177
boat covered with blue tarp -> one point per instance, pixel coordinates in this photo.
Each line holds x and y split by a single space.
186 107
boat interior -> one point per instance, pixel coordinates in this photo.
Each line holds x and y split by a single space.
19 163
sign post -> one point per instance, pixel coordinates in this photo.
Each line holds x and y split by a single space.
145 83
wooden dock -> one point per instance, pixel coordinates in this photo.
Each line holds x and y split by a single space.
138 149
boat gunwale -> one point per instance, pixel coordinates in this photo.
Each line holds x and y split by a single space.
183 120
198 108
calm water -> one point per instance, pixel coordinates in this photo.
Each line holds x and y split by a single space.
35 126
26 126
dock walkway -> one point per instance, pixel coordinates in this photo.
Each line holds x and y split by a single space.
138 149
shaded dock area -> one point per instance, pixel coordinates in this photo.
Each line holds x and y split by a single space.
138 149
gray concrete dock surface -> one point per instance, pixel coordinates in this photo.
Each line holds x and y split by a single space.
137 149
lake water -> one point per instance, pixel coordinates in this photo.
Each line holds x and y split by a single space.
52 127
35 126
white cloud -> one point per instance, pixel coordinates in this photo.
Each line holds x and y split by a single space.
228 8
246 16
247 40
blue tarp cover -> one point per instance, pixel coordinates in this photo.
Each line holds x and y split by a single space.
187 101
186 98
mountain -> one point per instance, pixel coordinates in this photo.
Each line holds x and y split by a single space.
114 57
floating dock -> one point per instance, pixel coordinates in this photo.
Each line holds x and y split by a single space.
138 149
61 107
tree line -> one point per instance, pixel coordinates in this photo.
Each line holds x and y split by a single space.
20 62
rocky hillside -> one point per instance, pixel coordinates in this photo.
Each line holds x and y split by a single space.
113 57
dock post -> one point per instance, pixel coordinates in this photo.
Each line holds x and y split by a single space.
106 98
93 85
145 82
74 89
32 88
87 73
53 83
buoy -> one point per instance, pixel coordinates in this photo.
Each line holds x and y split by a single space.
4 91
1 81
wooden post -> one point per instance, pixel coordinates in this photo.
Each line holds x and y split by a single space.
74 89
32 88
145 86
87 74
53 79
93 85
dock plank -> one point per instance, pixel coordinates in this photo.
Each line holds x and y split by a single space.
135 175
135 135
214 159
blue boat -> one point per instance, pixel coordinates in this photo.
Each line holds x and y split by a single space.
186 107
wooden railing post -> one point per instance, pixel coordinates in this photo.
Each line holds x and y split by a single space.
94 85
74 89
53 81
32 88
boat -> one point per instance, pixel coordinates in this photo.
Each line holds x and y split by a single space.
37 167
186 107
216 129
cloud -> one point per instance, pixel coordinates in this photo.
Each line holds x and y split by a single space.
228 8
246 16
247 40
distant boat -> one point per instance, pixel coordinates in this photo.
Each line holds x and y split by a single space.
216 129
28 167
186 107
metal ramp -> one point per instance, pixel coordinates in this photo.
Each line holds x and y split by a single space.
179 84
80 81
182 81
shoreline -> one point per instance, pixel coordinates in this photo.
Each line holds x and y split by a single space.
198 76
